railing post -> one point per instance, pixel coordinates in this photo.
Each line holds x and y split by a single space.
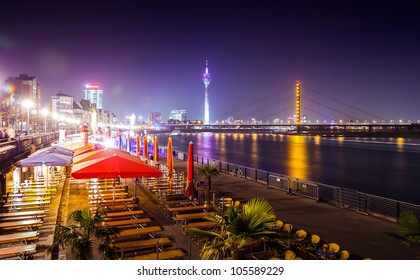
256 175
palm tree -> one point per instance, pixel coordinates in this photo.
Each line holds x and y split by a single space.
207 171
408 231
237 231
84 233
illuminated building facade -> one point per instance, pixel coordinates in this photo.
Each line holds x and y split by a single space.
155 118
179 115
94 94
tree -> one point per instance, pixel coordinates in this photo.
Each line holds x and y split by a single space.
237 231
83 234
408 230
207 171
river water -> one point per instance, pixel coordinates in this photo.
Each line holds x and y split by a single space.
388 167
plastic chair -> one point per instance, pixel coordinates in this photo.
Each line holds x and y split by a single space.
344 255
315 239
277 225
300 235
287 227
333 248
289 255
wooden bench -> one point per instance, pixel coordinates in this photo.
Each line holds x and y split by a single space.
141 244
115 208
107 195
35 214
134 214
165 255
201 225
192 216
138 232
115 201
20 251
13 206
128 222
23 237
29 224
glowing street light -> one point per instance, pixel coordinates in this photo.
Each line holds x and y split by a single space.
45 112
28 104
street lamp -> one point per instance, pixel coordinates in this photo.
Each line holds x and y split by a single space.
45 112
28 105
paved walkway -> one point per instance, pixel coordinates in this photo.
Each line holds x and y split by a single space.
359 234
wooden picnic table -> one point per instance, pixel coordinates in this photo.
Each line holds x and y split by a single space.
23 237
127 222
29 224
33 214
20 251
138 232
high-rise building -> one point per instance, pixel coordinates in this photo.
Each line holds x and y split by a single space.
94 94
23 88
155 118
206 80
179 115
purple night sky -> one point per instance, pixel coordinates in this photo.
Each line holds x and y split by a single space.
354 60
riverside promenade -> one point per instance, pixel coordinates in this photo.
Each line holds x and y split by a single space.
359 234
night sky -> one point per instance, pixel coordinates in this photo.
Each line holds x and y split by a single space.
355 60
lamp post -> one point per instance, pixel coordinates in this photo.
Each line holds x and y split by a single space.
45 112
28 104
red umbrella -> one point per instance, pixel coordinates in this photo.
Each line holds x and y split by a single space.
170 160
145 152
112 167
137 145
155 149
90 147
190 171
100 154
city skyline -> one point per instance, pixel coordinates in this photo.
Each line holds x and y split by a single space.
354 60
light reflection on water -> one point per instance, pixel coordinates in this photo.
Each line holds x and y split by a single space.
382 166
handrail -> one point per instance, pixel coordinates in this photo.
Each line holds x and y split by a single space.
345 198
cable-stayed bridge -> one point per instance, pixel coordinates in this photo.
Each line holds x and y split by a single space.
337 117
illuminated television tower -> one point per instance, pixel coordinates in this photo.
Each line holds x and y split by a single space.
206 80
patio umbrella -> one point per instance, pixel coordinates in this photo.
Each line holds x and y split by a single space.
46 158
170 160
145 152
155 149
90 147
137 145
190 171
55 150
112 167
100 154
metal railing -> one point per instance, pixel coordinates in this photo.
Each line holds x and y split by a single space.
345 198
